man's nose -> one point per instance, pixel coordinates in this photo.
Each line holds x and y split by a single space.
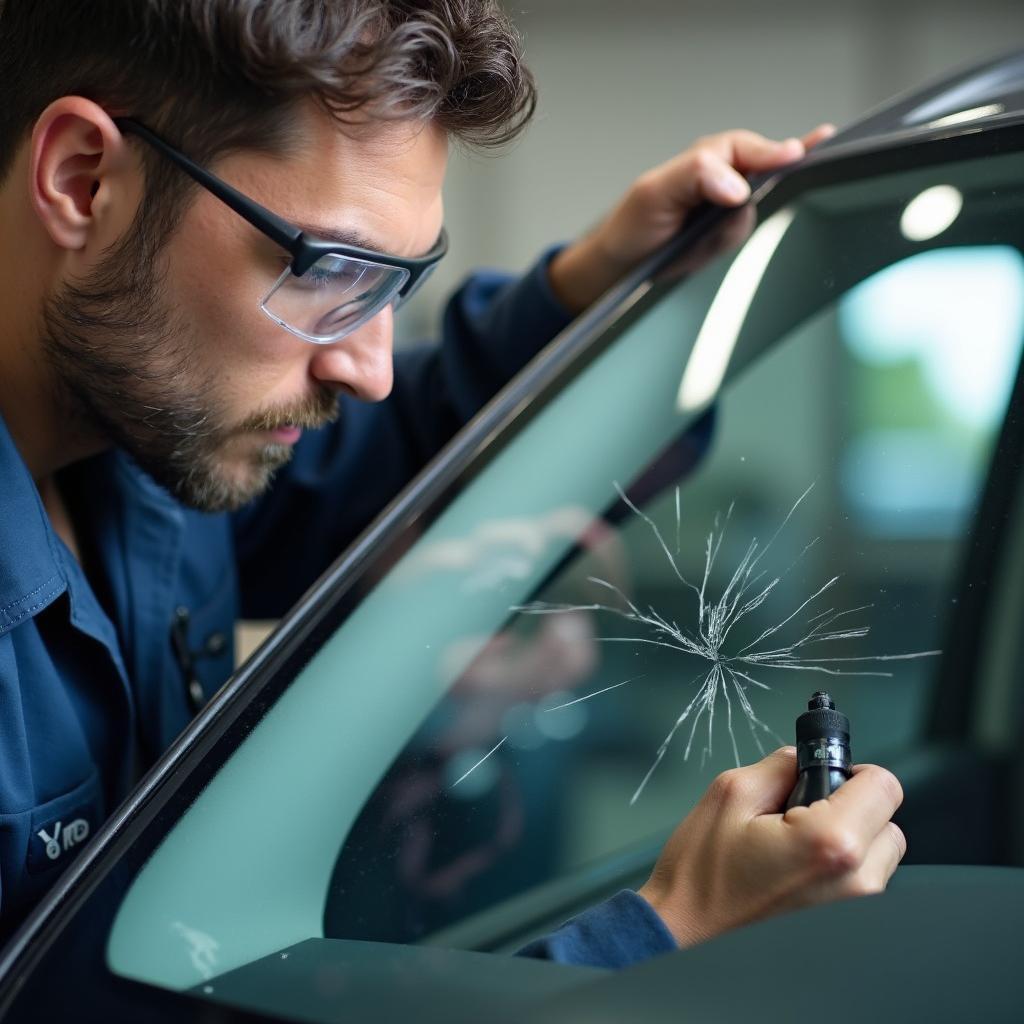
360 363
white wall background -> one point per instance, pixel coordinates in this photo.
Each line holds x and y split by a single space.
625 83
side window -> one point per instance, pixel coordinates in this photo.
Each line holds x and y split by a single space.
640 589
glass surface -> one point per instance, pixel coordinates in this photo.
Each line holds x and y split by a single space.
333 297
761 488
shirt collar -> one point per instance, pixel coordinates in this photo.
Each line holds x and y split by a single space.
31 574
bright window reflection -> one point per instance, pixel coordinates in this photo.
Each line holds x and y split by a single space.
946 327
931 213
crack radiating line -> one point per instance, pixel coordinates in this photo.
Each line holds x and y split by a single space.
466 775
744 593
596 693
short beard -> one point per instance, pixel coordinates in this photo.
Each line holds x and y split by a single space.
125 369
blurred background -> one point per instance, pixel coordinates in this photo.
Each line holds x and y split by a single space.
625 86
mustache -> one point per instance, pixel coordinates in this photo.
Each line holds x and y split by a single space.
316 410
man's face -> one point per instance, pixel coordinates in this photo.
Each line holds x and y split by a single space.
172 358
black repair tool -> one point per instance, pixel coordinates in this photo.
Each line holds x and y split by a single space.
823 761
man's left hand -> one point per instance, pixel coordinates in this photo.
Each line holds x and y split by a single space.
658 203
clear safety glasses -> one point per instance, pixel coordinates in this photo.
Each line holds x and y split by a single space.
328 289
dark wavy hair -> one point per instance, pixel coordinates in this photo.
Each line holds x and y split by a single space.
218 76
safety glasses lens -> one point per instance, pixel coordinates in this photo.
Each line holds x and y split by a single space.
334 297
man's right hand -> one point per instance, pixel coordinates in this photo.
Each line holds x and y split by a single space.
737 858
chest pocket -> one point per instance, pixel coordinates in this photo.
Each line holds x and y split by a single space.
37 844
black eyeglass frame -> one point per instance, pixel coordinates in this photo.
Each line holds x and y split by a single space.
304 248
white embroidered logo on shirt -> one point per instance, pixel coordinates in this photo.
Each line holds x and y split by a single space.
76 832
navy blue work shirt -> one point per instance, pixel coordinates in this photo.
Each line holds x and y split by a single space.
91 690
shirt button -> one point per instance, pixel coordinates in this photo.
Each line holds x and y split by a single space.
215 644
195 694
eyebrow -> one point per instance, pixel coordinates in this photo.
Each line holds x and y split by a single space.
344 236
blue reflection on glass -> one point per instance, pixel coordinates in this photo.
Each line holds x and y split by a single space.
935 341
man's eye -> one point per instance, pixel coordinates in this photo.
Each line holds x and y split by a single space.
340 279
315 277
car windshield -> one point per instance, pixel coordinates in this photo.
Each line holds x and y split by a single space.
759 481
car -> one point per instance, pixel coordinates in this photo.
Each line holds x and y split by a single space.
784 455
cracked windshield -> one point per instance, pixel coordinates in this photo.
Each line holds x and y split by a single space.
721 512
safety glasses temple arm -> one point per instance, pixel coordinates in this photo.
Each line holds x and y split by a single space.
276 228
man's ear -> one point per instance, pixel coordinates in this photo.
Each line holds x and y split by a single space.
79 169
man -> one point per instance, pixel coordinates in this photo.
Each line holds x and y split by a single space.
200 405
